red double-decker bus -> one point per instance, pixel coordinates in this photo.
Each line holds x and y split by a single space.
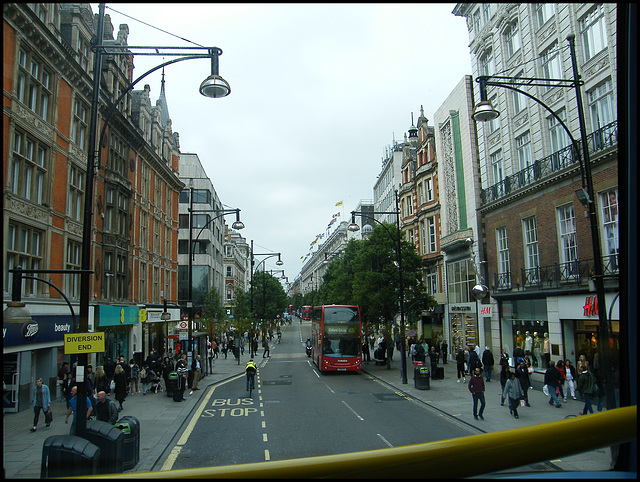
306 312
336 338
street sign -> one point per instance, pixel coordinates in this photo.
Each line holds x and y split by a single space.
84 343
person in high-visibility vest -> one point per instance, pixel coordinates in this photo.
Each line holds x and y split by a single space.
251 370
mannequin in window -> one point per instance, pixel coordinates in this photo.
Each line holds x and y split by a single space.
528 343
537 350
519 339
546 352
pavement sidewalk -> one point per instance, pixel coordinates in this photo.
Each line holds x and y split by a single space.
161 418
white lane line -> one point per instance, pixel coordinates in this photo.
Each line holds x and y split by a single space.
352 410
384 440
264 437
267 456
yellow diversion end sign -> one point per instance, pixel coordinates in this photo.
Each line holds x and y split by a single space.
83 343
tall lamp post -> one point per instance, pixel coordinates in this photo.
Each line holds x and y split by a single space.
213 86
354 227
268 255
237 224
484 111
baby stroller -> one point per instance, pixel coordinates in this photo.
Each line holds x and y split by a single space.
154 382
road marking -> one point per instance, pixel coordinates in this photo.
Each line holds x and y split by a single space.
330 389
384 440
267 456
264 424
171 459
264 437
352 410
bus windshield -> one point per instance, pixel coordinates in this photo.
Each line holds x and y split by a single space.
341 332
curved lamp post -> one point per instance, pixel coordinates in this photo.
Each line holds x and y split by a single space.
484 111
354 227
268 255
213 86
237 224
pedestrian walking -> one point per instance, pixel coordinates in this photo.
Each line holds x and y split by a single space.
197 370
73 404
183 373
265 345
420 353
460 361
522 374
474 361
101 382
366 354
476 387
571 374
563 378
504 376
210 356
513 391
41 401
106 410
587 386
433 358
487 362
67 384
504 358
109 370
445 353
62 376
167 368
121 385
135 376
145 378
551 384
466 360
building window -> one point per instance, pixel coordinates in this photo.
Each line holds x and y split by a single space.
29 168
609 216
593 32
420 194
121 276
142 283
431 234
156 236
229 273
144 230
557 134
83 53
145 179
497 169
531 260
525 158
123 214
34 84
543 12
109 210
118 153
24 248
431 280
486 12
167 242
519 100
601 105
504 266
155 296
487 63
429 189
201 196
79 127
461 278
512 38
551 68
568 242
75 194
494 124
73 262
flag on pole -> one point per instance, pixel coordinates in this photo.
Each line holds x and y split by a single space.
339 203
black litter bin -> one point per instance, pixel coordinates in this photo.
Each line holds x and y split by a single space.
172 383
421 377
130 426
69 456
111 443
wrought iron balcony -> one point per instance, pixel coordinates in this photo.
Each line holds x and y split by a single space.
598 141
557 275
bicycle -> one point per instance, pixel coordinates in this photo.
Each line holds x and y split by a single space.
251 377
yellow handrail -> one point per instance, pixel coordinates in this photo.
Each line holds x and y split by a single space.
442 459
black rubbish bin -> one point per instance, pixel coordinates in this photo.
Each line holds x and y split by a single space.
421 377
130 426
172 383
69 456
111 443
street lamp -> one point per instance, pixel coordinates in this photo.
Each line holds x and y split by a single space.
237 224
268 255
214 86
484 111
354 227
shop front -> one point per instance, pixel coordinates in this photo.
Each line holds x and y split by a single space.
122 330
524 324
463 326
578 316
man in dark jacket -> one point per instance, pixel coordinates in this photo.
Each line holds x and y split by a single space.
522 374
106 410
488 362
552 380
474 361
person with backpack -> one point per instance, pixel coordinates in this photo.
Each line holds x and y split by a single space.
106 409
587 386
135 376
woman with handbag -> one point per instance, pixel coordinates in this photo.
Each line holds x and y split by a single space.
41 401
513 391
120 385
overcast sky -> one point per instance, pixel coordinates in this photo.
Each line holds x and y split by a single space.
317 93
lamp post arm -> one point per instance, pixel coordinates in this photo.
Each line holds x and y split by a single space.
486 80
224 213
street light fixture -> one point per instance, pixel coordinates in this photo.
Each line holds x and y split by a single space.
484 111
237 224
213 86
268 255
354 227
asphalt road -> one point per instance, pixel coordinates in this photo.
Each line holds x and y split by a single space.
297 411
